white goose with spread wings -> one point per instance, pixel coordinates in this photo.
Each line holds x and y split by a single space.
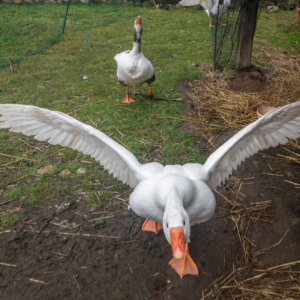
171 197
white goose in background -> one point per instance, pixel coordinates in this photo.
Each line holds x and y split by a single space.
171 197
134 69
211 7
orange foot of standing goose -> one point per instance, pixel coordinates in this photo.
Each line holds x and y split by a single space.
127 98
185 265
153 226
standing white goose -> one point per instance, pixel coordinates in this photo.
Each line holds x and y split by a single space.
134 69
169 197
211 7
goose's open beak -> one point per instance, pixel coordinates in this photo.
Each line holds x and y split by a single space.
177 242
138 21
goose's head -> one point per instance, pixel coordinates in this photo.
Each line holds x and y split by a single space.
176 225
138 27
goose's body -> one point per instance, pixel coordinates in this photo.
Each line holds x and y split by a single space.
134 69
171 198
212 7
195 196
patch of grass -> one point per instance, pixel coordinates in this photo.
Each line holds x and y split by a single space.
119 207
92 199
105 195
270 34
33 202
119 186
100 224
8 221
14 193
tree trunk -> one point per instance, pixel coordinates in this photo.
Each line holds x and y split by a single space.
247 26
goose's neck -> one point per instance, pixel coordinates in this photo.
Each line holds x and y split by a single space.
136 41
174 199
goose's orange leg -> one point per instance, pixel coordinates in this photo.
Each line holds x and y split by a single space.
222 24
127 98
150 91
153 226
210 23
185 265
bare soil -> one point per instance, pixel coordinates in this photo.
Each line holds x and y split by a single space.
252 81
136 264
64 263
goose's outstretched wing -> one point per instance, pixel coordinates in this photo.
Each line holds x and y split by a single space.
272 129
60 128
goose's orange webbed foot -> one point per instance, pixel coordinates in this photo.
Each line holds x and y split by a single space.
127 98
185 265
153 226
210 25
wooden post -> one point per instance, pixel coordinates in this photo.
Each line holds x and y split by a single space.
247 26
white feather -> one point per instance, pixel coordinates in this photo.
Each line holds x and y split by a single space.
272 129
62 129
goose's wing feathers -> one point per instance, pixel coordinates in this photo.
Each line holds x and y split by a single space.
60 128
207 4
123 55
272 129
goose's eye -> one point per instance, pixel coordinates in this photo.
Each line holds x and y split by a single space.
184 223
167 225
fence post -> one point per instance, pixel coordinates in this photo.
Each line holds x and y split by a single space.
247 26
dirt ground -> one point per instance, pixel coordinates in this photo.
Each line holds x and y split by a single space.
127 263
250 82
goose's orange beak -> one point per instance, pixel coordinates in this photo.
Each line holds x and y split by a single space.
177 242
138 21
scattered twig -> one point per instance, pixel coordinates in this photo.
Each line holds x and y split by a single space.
77 286
45 224
8 265
38 281
166 292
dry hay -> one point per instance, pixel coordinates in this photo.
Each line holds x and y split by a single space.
264 285
249 279
216 107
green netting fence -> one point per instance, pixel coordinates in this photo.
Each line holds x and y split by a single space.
224 37
29 26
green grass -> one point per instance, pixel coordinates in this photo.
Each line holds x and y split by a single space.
119 207
100 224
7 221
270 34
175 41
27 29
32 202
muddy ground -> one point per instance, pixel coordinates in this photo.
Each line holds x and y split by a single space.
62 263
